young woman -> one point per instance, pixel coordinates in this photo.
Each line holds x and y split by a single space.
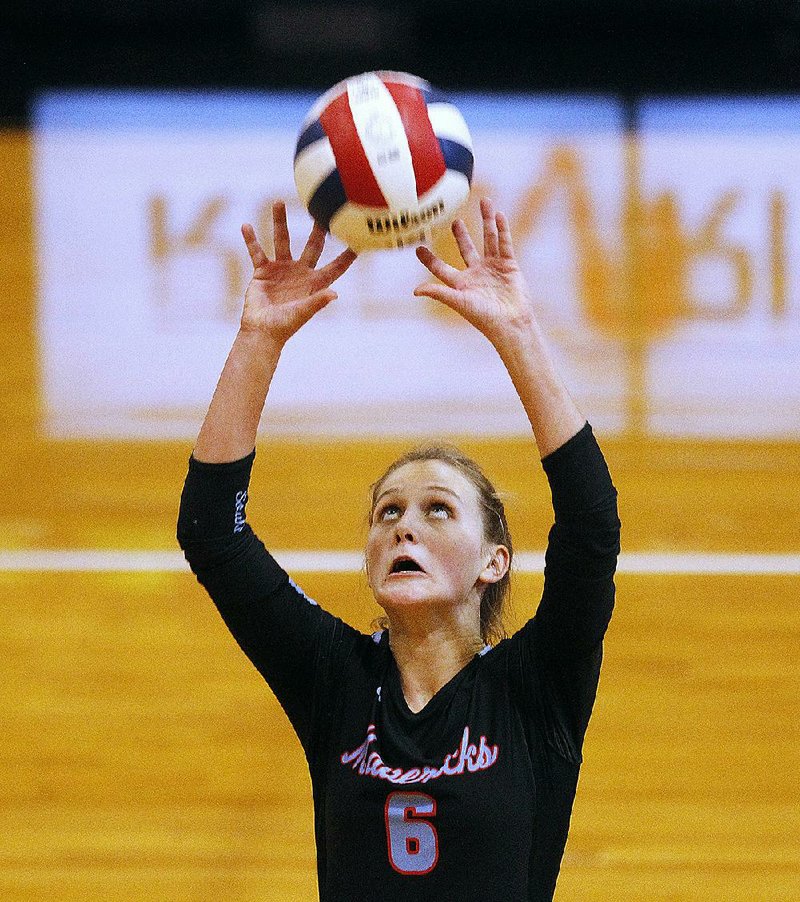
443 767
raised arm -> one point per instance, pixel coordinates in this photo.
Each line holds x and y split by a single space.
273 622
282 296
562 643
491 294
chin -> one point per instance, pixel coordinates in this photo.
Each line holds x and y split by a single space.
404 597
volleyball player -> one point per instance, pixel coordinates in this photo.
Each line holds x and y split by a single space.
444 763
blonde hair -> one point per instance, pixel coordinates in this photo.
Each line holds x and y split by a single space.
495 527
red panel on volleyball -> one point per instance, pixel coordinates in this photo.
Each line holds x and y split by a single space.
359 183
426 155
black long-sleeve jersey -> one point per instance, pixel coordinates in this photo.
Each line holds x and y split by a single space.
471 797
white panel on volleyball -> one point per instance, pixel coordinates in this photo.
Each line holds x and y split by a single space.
448 123
446 197
452 190
403 78
312 166
383 137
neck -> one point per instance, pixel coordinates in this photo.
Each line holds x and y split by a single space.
428 658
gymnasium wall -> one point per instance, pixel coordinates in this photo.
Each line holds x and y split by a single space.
662 262
663 265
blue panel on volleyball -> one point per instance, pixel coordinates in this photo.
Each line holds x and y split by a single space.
327 199
457 157
313 133
431 95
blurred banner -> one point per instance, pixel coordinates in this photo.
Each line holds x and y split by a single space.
663 265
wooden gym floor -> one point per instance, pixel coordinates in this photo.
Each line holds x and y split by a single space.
142 758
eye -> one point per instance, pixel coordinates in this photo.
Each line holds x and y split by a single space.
440 511
388 512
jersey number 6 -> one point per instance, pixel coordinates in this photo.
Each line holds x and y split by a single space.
413 842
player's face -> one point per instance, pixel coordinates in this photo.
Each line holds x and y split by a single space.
426 539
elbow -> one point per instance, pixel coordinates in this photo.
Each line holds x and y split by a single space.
188 530
614 530
183 532
604 525
183 540
591 540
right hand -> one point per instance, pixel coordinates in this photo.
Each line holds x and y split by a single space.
284 293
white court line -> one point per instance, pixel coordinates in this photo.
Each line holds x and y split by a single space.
97 561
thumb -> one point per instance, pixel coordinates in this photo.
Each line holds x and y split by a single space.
314 303
442 293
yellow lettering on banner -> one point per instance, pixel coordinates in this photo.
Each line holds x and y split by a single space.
640 288
778 255
644 289
709 243
598 274
635 280
167 244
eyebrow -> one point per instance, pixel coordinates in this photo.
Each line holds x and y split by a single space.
430 488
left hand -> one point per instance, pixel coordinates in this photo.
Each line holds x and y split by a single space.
491 293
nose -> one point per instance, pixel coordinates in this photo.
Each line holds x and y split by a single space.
405 530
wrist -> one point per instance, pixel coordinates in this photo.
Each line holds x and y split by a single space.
259 342
517 335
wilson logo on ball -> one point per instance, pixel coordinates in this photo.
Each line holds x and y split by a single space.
380 160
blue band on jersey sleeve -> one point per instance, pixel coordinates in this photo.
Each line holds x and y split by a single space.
457 157
327 200
314 132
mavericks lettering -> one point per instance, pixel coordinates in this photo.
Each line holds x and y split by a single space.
467 758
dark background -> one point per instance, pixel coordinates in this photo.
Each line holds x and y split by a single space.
627 47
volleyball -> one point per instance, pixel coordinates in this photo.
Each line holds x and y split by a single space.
381 159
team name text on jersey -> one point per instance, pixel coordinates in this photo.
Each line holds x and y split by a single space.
466 758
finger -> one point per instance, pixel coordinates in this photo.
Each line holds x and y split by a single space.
490 237
448 274
280 231
315 302
469 253
450 297
254 248
504 240
337 267
314 246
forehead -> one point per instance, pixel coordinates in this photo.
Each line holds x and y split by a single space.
419 475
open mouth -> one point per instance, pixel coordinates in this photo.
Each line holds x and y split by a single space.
406 565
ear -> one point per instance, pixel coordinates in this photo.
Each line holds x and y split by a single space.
497 567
